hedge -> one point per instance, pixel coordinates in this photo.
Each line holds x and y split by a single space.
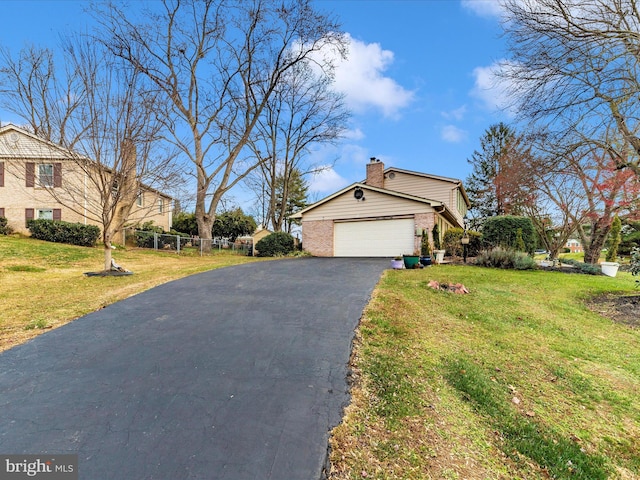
64 232
4 228
275 244
505 231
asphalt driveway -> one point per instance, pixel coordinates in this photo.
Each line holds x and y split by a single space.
238 373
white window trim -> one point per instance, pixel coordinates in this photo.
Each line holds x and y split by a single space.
39 176
37 213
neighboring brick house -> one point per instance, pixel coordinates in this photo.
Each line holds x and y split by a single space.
574 246
384 215
31 166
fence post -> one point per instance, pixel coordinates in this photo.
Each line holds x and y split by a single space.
155 240
178 242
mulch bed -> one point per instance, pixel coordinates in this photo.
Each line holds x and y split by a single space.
107 273
623 309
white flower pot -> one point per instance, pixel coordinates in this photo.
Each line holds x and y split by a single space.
439 255
610 269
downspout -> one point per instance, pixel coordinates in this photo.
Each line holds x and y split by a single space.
85 197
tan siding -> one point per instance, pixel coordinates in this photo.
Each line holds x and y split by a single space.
77 189
424 187
376 205
431 188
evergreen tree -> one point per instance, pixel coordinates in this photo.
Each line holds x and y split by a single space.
483 185
291 196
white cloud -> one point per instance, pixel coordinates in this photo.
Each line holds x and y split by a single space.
354 134
453 134
490 89
457 114
483 8
361 78
327 180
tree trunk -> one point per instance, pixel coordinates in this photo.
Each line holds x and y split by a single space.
106 240
598 237
205 231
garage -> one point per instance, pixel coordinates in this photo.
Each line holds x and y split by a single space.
375 238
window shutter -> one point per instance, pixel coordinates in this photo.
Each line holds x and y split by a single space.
1 212
31 175
57 175
1 174
57 214
28 214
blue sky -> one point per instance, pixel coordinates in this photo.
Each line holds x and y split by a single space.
417 79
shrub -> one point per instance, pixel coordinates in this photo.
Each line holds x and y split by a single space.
64 232
503 232
185 222
586 268
453 245
635 263
503 258
145 237
615 238
4 228
436 237
275 244
425 246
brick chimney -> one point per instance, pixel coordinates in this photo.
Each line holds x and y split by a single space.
375 173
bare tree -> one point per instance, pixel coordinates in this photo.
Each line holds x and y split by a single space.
217 63
33 88
302 112
573 65
575 192
109 128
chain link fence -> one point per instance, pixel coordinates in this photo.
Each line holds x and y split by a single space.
183 243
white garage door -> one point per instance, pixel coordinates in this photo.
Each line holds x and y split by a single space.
379 238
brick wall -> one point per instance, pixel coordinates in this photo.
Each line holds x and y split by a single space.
424 221
317 237
375 174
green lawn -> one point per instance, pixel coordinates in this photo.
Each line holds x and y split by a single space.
43 285
517 379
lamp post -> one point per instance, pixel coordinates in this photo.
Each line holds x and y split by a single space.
465 241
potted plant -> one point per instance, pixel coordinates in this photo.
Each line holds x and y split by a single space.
410 261
397 263
425 250
437 245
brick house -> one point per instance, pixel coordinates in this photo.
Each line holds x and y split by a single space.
39 179
574 246
384 215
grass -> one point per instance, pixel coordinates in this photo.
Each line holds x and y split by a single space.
517 379
43 285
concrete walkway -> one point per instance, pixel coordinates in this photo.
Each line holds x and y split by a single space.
237 373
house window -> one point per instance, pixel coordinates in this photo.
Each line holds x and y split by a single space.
44 214
160 206
115 188
140 199
1 174
45 175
